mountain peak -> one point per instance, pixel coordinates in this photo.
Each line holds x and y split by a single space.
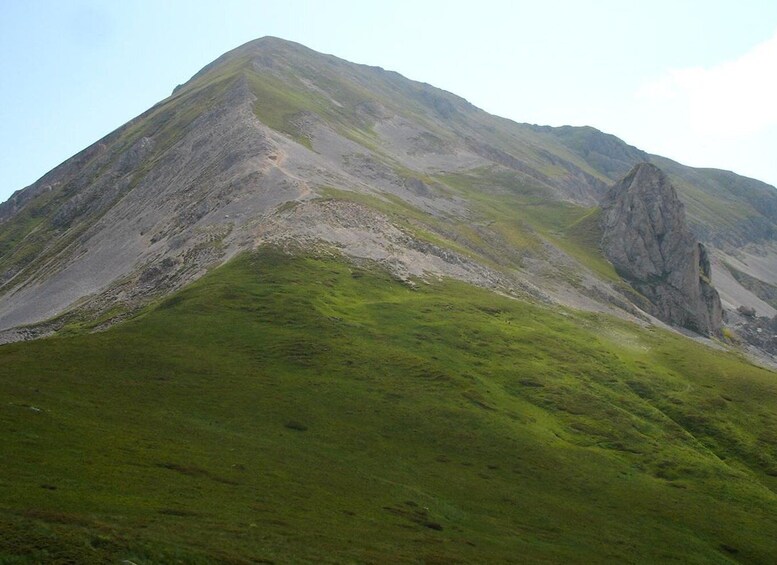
647 168
646 177
267 46
271 44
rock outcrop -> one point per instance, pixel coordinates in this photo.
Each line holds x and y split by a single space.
647 239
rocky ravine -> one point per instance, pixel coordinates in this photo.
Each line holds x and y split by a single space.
646 237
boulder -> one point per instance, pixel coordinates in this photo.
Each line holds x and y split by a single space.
747 311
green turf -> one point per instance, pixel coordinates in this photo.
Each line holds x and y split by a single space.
305 409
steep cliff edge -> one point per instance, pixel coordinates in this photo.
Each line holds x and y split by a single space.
647 239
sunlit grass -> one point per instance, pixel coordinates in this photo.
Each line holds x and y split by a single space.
305 408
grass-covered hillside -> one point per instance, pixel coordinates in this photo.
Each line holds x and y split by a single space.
305 409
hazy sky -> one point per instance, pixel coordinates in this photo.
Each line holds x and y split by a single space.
692 80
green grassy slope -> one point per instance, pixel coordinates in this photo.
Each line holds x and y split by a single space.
305 409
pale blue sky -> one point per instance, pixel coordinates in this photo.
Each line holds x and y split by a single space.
691 80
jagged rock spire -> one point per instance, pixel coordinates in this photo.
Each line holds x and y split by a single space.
646 237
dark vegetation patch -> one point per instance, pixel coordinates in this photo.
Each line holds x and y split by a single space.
177 512
193 471
414 513
296 426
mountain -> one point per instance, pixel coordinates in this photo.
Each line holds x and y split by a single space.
273 142
304 310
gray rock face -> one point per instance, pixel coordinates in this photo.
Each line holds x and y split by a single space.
646 237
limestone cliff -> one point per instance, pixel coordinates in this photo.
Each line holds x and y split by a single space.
647 239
